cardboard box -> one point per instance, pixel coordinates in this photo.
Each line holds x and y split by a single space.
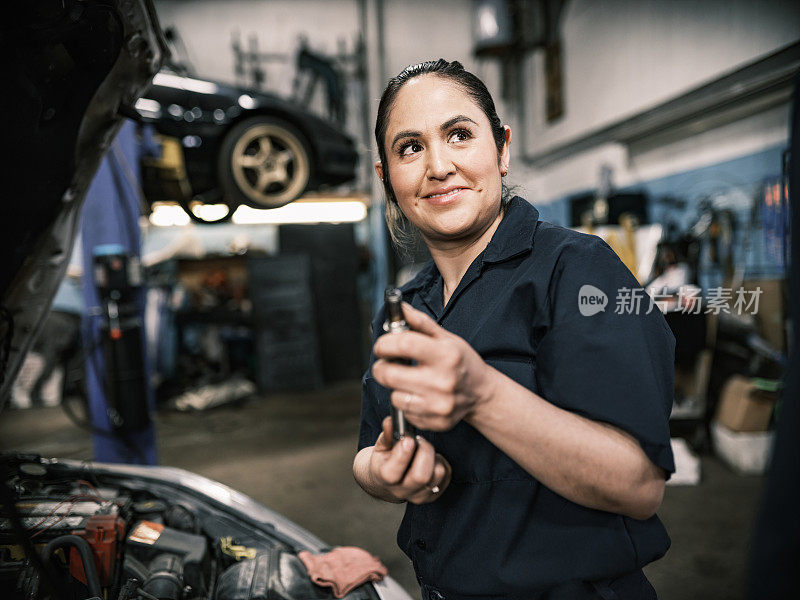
743 407
748 452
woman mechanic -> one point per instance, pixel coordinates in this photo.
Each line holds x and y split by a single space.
543 444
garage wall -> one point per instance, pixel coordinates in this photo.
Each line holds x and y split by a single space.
621 58
415 30
418 30
637 164
207 27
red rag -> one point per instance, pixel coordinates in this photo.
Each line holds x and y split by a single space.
343 569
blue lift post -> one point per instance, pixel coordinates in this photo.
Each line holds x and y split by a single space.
111 219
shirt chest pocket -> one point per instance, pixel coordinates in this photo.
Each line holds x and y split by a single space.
474 458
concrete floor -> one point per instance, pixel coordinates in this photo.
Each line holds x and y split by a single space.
294 453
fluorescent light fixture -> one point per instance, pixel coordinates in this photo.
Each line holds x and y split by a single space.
167 215
304 211
336 211
210 212
148 107
186 83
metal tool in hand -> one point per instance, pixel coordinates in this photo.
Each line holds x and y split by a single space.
396 323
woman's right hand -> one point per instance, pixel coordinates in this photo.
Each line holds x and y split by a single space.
406 473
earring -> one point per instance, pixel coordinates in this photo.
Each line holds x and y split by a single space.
504 173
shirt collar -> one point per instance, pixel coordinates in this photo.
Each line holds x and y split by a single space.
514 236
426 274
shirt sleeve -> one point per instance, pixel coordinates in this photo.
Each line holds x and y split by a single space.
370 426
608 353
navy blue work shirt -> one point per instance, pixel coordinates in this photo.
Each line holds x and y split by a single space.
496 529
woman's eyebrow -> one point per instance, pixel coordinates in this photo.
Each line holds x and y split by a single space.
405 134
457 119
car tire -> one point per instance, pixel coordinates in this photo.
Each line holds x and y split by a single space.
264 162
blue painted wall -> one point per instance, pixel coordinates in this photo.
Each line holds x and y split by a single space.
737 183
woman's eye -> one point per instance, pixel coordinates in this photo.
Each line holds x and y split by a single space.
460 135
409 148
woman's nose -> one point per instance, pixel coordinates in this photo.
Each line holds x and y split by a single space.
439 164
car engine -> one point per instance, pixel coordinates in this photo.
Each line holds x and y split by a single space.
120 538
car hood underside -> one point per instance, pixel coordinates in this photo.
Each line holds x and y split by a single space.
72 68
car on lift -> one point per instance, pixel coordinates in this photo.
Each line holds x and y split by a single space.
235 145
78 529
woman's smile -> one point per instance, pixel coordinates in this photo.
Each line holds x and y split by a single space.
446 195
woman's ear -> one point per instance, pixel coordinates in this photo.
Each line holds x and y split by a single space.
505 155
379 169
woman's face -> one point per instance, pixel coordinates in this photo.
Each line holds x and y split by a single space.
442 160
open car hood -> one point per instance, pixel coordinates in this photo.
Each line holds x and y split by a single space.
72 68
245 549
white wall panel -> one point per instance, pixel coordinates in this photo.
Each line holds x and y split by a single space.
207 27
625 56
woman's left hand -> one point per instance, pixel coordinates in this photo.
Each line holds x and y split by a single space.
447 382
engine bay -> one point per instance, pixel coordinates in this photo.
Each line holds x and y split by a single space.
94 535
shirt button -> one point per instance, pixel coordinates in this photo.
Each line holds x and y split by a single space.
420 544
